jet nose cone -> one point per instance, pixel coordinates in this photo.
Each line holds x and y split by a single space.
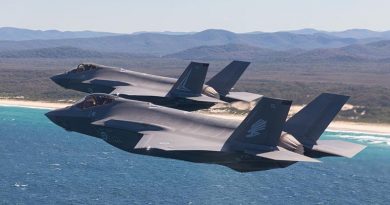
57 118
61 80
52 116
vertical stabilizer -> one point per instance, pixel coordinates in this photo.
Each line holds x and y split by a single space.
190 83
309 123
224 81
264 124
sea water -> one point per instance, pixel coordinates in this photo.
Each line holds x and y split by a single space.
40 163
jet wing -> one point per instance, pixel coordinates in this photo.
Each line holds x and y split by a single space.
285 155
111 83
173 141
137 91
128 125
159 137
340 148
164 138
243 96
124 91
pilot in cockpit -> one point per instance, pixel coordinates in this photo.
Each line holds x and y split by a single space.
90 101
84 67
80 68
95 100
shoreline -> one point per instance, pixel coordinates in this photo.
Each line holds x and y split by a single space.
33 104
335 126
342 126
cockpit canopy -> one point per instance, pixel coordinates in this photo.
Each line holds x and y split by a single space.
95 100
84 67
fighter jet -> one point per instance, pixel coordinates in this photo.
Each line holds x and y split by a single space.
257 143
189 93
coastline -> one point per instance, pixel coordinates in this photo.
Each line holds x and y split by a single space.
33 104
335 126
342 126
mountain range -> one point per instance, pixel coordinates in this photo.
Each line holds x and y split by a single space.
163 44
360 52
350 33
20 34
296 45
64 52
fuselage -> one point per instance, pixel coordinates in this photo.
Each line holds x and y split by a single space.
149 88
210 129
103 77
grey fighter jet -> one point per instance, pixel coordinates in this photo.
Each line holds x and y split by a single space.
257 143
191 93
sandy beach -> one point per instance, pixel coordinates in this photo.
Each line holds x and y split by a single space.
374 128
32 104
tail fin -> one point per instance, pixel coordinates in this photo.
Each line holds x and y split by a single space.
264 124
309 123
224 81
190 83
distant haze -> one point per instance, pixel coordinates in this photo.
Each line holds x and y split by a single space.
128 16
305 45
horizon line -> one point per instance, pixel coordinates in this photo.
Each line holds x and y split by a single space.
184 32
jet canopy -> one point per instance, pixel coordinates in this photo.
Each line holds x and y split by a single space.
95 100
84 67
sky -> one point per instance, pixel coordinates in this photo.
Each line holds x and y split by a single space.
127 16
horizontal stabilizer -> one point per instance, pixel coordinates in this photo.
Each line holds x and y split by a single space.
339 148
243 96
285 155
204 98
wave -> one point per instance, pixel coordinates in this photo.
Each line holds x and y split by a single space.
357 132
370 139
26 106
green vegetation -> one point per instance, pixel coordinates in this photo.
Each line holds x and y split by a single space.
367 83
296 65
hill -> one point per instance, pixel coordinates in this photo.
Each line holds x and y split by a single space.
376 51
360 52
163 44
361 34
229 52
62 52
19 34
350 33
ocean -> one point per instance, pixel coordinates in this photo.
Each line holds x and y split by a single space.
40 163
